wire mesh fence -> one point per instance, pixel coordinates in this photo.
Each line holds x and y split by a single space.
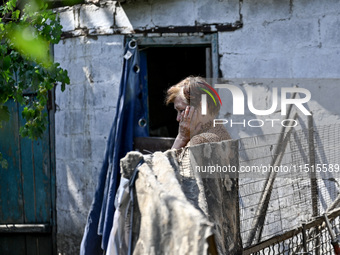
286 180
311 238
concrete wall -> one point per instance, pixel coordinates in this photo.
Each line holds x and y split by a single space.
279 39
284 39
85 111
163 13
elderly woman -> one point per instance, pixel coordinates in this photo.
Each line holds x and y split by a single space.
194 127
216 198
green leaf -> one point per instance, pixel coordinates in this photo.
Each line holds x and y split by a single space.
26 40
13 2
4 113
3 162
26 64
16 14
6 63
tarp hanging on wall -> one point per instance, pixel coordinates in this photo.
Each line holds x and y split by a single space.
130 121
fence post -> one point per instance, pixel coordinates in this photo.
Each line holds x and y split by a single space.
314 184
313 180
304 237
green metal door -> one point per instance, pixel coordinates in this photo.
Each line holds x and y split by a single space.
27 189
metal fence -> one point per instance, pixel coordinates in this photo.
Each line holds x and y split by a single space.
310 238
287 181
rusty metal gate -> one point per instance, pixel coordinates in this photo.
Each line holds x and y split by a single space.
27 190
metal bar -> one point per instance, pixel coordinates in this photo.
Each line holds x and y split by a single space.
53 171
313 181
304 237
207 28
214 56
34 183
314 184
330 231
334 204
174 40
208 62
279 238
20 163
334 241
271 241
25 228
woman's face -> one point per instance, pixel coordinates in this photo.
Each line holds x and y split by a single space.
180 104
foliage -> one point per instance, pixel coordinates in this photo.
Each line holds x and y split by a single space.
27 31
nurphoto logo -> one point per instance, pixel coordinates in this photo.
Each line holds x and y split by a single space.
239 104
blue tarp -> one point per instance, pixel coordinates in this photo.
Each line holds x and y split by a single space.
129 122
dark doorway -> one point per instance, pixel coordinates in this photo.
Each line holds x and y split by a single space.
167 66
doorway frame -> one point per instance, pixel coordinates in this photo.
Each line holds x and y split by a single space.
175 40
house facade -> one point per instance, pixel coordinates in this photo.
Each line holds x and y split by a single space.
261 44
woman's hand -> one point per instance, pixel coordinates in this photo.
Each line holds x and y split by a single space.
188 127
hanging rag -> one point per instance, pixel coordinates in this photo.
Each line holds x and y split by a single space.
178 210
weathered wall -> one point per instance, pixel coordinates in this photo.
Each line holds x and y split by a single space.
85 111
284 39
279 39
163 13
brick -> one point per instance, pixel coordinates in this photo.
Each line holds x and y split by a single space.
161 13
69 49
101 122
329 29
92 16
307 8
173 13
268 10
81 147
122 21
106 69
67 20
226 11
62 97
76 122
78 70
113 47
319 64
139 14
63 148
77 96
256 66
102 95
98 147
278 37
92 47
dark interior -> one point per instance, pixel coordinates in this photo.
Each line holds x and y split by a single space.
167 66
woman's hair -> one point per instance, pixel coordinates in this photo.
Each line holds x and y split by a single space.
192 90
